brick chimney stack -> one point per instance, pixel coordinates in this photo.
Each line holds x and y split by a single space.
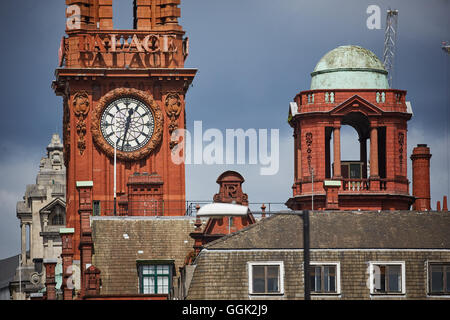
421 177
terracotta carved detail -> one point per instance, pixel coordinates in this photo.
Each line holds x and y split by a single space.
81 108
173 110
309 141
146 98
231 189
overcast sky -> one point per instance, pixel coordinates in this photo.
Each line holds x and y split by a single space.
253 57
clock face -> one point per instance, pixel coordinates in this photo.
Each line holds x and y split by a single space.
127 124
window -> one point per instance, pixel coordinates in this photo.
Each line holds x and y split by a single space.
266 278
96 208
325 278
387 278
155 279
439 278
57 216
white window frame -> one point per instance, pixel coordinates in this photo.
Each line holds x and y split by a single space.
428 264
338 277
250 266
387 263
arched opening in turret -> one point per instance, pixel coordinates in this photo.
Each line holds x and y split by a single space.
354 135
354 148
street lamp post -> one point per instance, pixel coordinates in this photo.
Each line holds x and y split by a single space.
312 185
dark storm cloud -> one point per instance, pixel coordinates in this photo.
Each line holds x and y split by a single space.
253 57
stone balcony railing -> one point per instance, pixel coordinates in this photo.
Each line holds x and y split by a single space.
354 186
322 100
362 185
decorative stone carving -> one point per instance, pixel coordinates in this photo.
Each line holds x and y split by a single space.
146 98
81 108
173 110
309 141
231 189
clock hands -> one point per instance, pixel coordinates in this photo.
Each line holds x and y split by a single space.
132 124
127 126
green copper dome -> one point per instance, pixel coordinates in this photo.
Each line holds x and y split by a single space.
349 67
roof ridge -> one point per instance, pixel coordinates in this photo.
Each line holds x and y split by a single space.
228 236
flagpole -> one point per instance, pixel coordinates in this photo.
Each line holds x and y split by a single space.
115 166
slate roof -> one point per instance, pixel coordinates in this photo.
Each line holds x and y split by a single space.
346 230
116 255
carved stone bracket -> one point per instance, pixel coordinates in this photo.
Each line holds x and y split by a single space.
81 107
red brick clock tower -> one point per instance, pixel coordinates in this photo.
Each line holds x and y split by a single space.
349 87
124 94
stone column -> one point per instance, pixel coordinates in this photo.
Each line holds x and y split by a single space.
374 153
23 228
337 153
31 240
363 156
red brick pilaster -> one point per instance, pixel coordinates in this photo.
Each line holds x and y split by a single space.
298 151
67 259
105 14
85 211
332 197
92 281
50 282
88 11
197 235
337 153
374 152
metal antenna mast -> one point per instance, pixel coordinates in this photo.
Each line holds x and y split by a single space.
446 47
390 43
